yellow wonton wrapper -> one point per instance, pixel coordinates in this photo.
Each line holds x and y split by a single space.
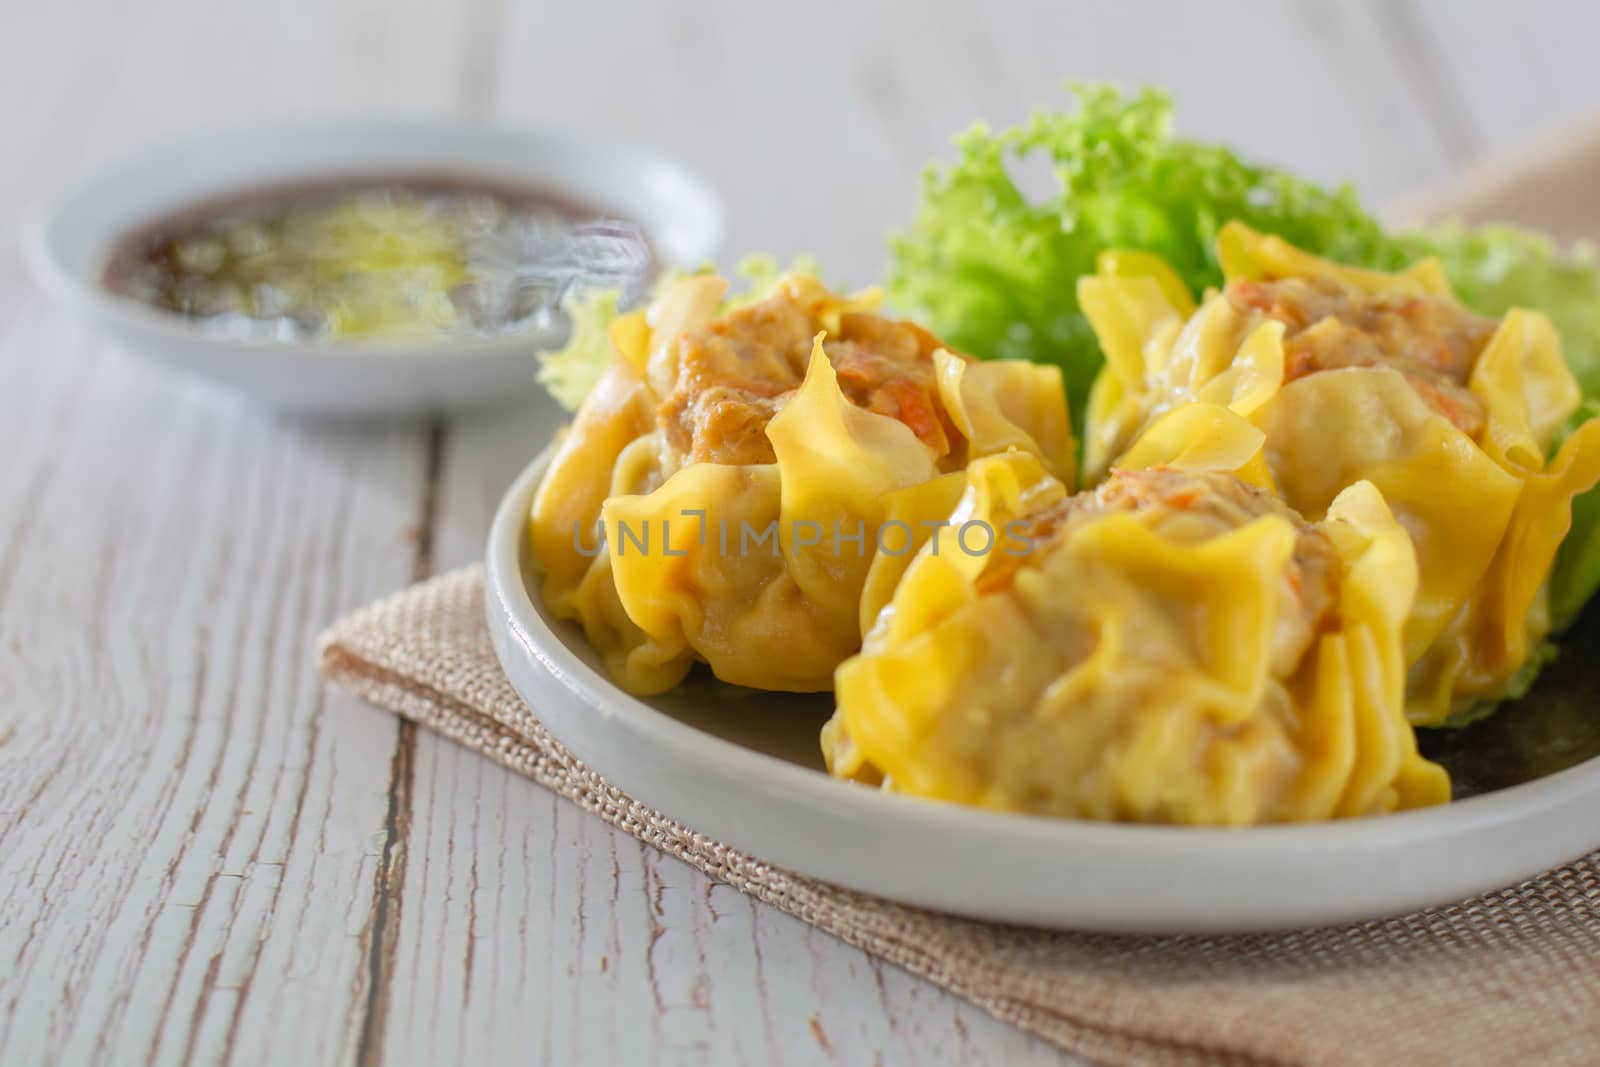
755 569
1486 514
1119 674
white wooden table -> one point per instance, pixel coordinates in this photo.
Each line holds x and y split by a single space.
208 856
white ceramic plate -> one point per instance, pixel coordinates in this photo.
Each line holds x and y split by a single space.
745 770
67 244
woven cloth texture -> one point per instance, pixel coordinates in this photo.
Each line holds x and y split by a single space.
1511 976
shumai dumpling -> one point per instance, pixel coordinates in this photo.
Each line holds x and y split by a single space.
719 495
1174 646
1363 375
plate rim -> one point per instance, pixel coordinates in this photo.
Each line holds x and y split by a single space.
516 623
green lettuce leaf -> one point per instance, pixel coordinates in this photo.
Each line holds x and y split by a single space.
994 272
761 273
1540 658
569 373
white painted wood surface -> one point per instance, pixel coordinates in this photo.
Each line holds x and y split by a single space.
208 857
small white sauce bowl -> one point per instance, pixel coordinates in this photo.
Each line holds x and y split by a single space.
68 243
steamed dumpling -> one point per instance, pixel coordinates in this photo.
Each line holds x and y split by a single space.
719 496
1174 646
1363 375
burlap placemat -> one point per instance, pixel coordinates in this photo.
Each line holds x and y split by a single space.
1513 976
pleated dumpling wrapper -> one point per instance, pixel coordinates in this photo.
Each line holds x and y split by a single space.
720 494
1173 647
1356 374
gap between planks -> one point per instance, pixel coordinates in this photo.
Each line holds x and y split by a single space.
1415 50
383 930
483 56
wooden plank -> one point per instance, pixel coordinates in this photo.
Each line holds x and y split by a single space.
1526 107
1515 74
190 824
183 809
1308 85
815 121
